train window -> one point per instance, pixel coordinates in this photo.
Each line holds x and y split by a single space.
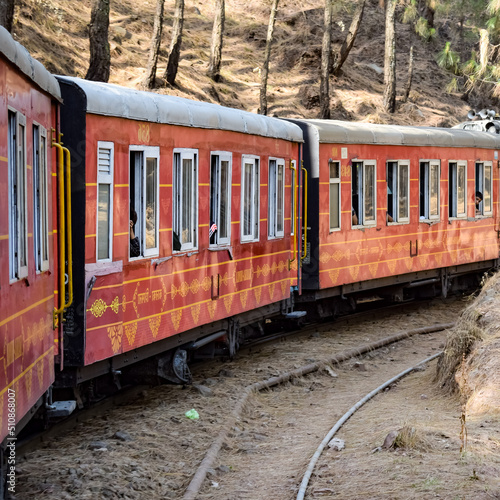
398 189
250 184
40 197
364 200
276 201
144 196
220 198
484 186
185 195
457 189
18 224
334 168
104 237
429 190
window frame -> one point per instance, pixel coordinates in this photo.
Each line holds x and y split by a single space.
453 189
255 199
105 179
40 199
221 156
17 166
140 193
428 217
396 191
480 186
362 195
177 197
334 181
293 188
273 207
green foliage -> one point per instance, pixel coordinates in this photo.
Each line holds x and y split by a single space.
471 67
448 59
410 13
423 30
452 87
493 24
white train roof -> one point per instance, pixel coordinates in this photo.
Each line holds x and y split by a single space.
112 100
33 69
339 132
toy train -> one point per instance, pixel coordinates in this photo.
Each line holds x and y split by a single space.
141 229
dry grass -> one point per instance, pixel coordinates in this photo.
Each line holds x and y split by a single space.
471 361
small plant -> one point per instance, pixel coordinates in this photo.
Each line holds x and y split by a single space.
407 438
423 30
452 86
448 59
410 13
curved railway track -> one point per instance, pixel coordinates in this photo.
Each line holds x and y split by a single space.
165 448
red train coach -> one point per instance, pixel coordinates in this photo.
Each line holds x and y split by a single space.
392 208
29 103
210 192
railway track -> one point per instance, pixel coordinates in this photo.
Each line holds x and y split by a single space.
165 447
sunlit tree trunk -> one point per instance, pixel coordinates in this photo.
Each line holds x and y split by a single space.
267 57
324 89
175 45
149 80
389 100
346 47
100 58
410 77
7 14
217 40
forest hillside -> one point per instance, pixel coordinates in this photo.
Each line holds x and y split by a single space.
56 33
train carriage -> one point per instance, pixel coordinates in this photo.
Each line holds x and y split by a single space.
29 102
211 188
393 207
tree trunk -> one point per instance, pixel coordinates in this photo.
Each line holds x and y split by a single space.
7 14
175 44
342 54
410 76
267 56
149 80
100 58
324 89
389 101
217 39
427 11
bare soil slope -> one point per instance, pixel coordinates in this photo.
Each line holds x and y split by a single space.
56 33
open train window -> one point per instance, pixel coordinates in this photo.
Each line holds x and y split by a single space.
40 199
250 197
185 198
18 224
276 200
105 160
364 198
429 189
457 189
483 186
334 169
220 198
144 198
398 190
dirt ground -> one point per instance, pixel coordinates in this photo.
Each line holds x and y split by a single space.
270 446
56 32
